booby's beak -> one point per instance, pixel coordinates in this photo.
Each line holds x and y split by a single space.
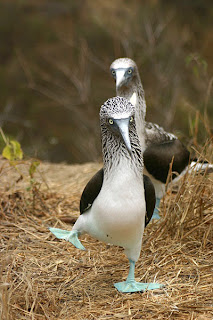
123 128
120 77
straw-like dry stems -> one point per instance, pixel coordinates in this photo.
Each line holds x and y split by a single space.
44 278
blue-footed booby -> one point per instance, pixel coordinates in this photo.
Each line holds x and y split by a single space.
115 201
159 147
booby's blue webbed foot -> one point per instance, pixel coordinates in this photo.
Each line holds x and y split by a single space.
156 215
130 285
133 286
71 236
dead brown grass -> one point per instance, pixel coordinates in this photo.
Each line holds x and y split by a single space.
44 278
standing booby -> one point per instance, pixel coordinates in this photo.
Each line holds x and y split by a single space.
112 206
159 147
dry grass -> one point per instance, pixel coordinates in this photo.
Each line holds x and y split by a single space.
45 278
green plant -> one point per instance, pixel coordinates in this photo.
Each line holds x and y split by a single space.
12 150
14 154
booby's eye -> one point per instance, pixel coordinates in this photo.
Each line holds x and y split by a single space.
113 72
130 71
131 119
111 121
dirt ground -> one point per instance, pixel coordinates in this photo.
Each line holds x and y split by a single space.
42 277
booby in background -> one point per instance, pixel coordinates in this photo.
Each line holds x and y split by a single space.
159 147
115 201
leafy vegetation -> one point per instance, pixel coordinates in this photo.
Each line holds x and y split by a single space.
14 154
12 151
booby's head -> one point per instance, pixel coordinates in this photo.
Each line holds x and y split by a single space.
117 116
123 70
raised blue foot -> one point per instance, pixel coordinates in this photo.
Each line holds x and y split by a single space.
130 285
133 286
71 236
156 210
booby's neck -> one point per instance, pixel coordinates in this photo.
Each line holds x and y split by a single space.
135 94
115 153
134 86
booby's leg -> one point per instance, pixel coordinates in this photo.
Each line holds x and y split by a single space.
71 236
130 285
156 210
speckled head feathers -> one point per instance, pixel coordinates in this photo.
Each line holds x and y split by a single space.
118 133
123 63
117 108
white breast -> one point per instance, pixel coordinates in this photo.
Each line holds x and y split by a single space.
117 215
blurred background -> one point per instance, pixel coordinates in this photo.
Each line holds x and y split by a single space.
54 70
